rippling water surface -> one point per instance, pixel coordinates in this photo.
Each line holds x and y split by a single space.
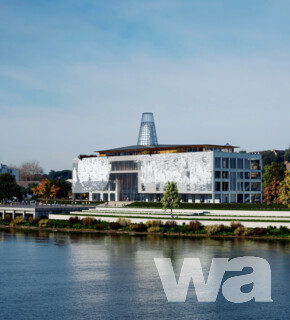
90 276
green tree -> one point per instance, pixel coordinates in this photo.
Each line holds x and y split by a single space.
64 188
60 175
268 157
275 170
285 189
9 188
171 197
287 155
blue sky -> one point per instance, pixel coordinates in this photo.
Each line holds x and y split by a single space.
75 75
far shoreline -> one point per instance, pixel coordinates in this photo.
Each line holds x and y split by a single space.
132 233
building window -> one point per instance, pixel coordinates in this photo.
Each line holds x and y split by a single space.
240 175
255 175
255 164
217 174
256 186
233 163
124 166
225 175
247 186
96 196
225 163
256 198
112 185
247 175
233 181
217 186
157 187
247 164
225 186
143 187
217 162
240 164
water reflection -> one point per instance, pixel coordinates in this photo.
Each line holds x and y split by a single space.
84 276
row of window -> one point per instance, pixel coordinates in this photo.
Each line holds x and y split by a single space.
240 186
240 175
124 165
233 163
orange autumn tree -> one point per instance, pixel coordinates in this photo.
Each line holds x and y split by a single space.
54 191
46 189
272 192
43 189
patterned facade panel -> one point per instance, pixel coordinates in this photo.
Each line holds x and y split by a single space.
90 174
191 171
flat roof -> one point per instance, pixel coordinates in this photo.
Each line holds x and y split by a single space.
167 147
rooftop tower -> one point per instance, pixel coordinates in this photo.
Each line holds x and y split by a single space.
147 133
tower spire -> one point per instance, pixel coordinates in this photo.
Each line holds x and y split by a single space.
147 133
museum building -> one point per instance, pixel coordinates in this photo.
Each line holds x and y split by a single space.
203 173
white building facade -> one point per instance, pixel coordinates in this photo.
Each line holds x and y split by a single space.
211 176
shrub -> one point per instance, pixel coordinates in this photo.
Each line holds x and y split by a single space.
241 231
156 223
124 222
284 230
18 220
259 231
33 220
100 226
221 228
171 224
88 221
153 229
74 220
115 225
7 218
235 225
212 229
77 225
148 223
138 227
213 206
195 226
43 223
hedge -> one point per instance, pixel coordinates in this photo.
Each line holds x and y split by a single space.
214 206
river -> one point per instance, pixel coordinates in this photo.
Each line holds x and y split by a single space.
46 275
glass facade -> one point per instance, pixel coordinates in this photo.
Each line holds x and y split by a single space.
127 185
124 165
238 174
147 133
